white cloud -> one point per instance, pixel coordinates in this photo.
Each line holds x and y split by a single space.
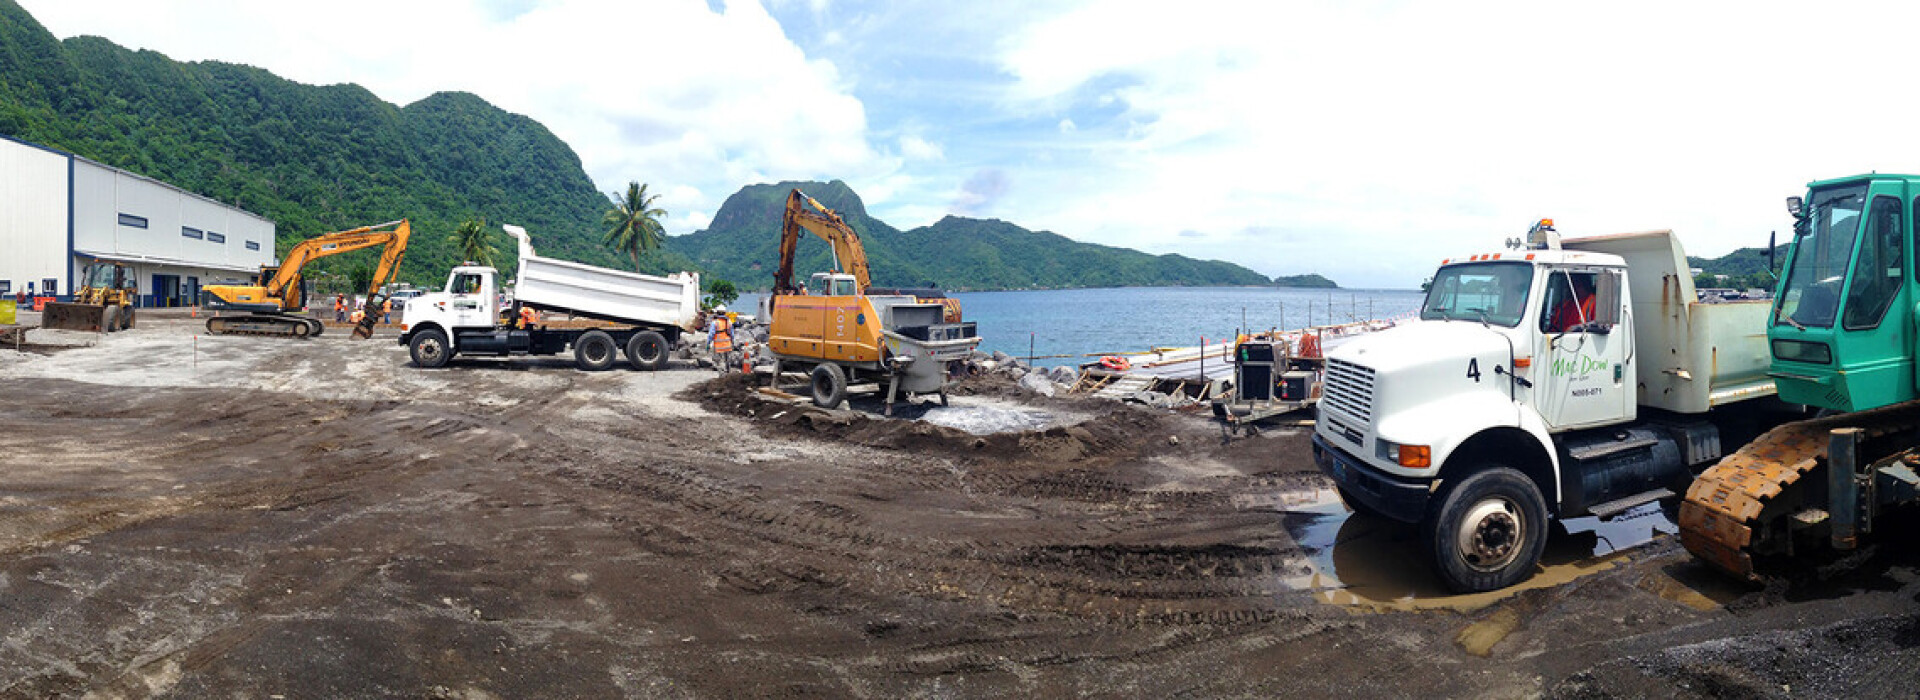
671 93
1409 132
916 148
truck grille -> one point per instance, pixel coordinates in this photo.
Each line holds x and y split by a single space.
1349 390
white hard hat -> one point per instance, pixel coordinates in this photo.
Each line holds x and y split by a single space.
722 308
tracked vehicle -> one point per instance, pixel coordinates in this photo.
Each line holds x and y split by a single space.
1842 335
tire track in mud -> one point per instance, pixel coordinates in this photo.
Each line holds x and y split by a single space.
809 545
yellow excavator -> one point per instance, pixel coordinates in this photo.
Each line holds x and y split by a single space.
844 331
104 302
268 307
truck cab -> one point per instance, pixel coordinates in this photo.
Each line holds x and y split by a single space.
466 303
1518 395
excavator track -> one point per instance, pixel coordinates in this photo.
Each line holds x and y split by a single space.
1751 502
267 325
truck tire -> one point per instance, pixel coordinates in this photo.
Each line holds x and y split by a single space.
594 351
1487 531
829 385
110 319
429 349
647 351
1352 503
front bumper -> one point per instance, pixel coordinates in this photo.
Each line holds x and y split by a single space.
1401 499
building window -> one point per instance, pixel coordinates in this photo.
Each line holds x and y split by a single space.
216 237
134 221
6 286
253 245
50 287
190 232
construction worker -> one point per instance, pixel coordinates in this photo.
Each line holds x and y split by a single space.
386 311
1575 308
340 308
527 317
720 338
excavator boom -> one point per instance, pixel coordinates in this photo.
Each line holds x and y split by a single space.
806 213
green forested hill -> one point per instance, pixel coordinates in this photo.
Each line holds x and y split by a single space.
311 158
742 245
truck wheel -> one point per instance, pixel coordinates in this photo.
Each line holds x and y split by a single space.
594 351
647 351
429 349
1346 497
110 319
829 385
1487 531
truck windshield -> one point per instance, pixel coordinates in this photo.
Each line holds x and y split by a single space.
1823 242
1491 292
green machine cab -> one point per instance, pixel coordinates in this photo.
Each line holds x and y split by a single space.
1843 319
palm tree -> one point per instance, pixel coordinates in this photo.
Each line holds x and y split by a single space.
633 224
475 241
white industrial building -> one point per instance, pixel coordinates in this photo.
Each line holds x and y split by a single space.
59 212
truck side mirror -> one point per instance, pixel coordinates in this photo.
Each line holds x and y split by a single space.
1606 302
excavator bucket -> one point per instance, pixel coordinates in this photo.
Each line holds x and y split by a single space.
74 317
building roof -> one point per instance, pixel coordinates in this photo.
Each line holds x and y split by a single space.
161 260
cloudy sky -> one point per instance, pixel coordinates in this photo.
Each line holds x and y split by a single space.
1361 140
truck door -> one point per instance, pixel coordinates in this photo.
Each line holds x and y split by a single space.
472 294
1580 357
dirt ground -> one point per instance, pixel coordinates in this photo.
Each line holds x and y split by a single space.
195 516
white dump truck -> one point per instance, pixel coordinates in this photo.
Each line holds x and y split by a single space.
647 313
1551 380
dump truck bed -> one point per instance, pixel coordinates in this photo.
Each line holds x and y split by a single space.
614 295
1692 355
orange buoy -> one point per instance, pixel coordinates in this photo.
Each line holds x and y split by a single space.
1116 363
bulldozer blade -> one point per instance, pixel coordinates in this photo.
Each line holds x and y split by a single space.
73 317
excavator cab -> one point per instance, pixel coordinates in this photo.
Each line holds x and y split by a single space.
832 284
1842 328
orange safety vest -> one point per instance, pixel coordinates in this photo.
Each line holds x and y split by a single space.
722 337
526 317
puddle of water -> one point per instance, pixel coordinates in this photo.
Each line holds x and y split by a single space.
1375 565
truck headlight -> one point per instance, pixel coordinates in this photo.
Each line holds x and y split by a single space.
1409 456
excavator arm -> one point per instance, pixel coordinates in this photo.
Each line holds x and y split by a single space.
284 283
806 213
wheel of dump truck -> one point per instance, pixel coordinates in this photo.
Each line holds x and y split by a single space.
647 351
110 319
429 349
1486 532
829 385
594 351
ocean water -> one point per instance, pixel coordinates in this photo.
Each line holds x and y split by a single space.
1079 323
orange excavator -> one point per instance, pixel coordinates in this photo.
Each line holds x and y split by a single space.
270 306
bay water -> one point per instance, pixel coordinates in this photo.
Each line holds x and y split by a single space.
1073 326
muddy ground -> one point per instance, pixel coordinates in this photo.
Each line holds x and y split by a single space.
191 516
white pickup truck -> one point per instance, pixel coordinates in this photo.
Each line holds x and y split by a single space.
650 313
1510 402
